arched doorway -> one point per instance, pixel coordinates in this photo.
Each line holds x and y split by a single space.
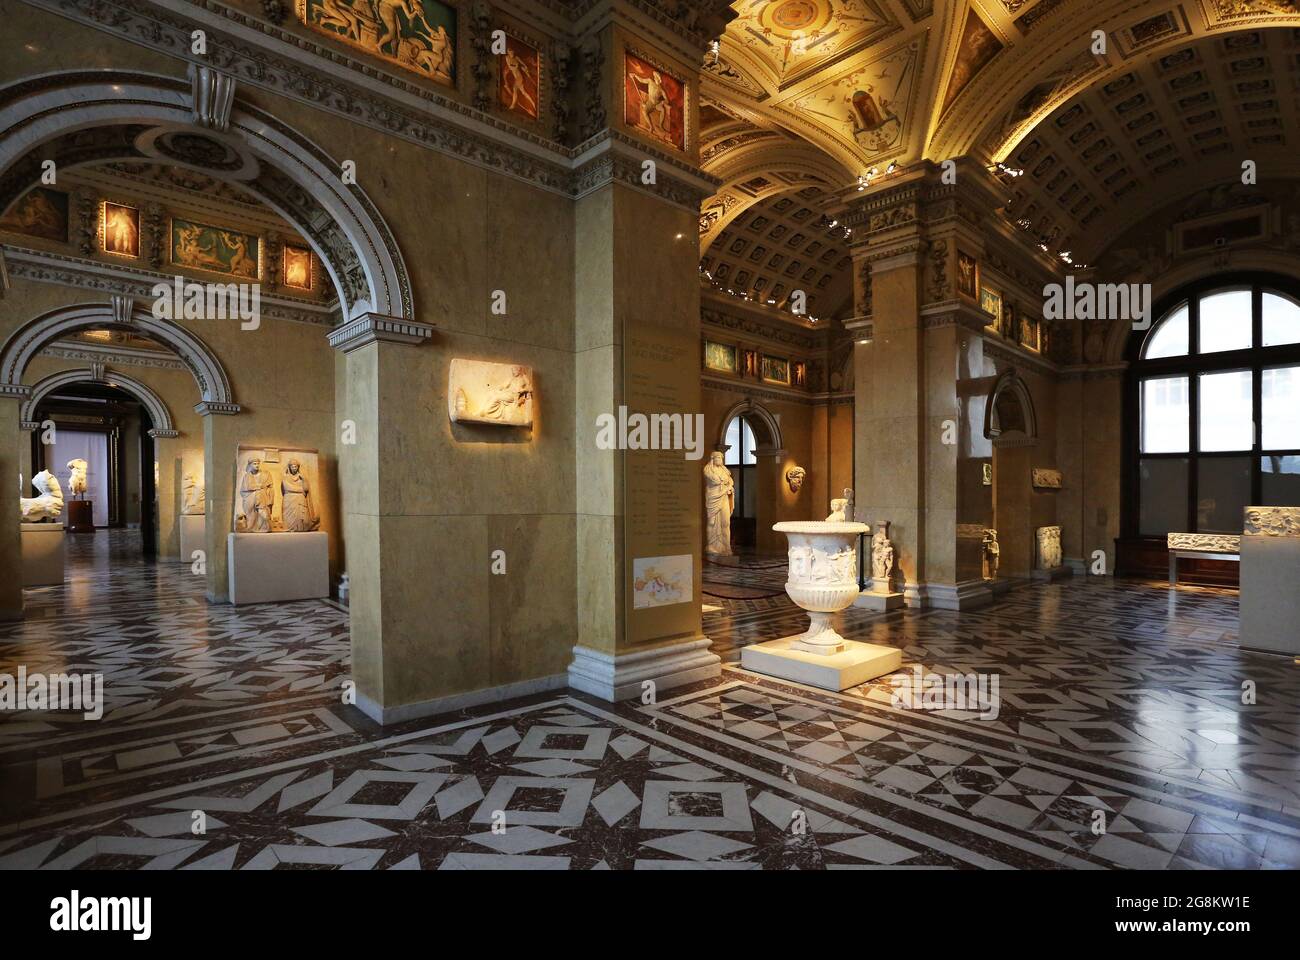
119 442
1011 424
750 438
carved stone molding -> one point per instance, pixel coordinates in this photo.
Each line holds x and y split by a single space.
122 307
1205 542
118 357
1272 522
107 278
939 288
374 328
480 41
593 63
562 60
209 408
212 95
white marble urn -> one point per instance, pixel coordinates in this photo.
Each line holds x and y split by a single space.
823 576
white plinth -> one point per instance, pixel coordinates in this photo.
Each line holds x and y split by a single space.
1270 604
858 663
42 554
277 567
193 536
870 600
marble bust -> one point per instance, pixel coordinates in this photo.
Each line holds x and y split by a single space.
719 500
48 506
794 477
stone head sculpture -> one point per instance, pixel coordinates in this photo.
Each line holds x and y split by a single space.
794 477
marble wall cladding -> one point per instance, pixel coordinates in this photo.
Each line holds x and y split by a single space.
11 589
1088 450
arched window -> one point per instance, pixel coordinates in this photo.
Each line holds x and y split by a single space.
1217 384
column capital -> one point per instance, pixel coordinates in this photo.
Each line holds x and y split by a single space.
208 408
375 328
14 391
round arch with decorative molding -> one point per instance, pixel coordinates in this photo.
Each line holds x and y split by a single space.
159 415
146 115
997 426
749 407
120 313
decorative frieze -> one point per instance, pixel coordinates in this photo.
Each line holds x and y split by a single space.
1272 522
1204 542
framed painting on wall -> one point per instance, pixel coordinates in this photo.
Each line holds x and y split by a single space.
519 81
776 370
654 102
201 246
719 356
417 35
119 229
991 303
41 213
968 274
297 268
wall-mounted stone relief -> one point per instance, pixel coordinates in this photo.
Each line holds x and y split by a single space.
1046 479
193 503
500 394
1049 548
276 490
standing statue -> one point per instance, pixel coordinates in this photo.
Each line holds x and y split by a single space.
719 501
76 477
46 507
882 555
992 553
257 494
194 503
297 508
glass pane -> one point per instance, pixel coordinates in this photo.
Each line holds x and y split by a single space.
1169 338
1280 481
1281 320
749 459
1226 321
1163 495
1280 399
732 456
1222 490
1227 421
1164 415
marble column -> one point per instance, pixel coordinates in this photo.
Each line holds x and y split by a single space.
221 436
637 302
11 550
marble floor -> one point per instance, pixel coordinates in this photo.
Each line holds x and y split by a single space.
1121 741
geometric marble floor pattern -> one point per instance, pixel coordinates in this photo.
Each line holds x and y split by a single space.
1117 704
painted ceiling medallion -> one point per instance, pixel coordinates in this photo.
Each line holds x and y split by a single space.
794 19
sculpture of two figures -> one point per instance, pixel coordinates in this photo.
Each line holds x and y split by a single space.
257 499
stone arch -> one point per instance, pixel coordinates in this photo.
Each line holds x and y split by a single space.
120 313
769 446
159 415
85 117
1009 417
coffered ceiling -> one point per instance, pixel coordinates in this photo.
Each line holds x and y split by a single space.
803 93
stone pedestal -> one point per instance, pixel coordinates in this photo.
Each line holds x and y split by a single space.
81 516
42 554
278 567
193 536
823 581
1270 603
879 596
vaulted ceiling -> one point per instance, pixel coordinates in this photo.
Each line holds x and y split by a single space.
804 93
